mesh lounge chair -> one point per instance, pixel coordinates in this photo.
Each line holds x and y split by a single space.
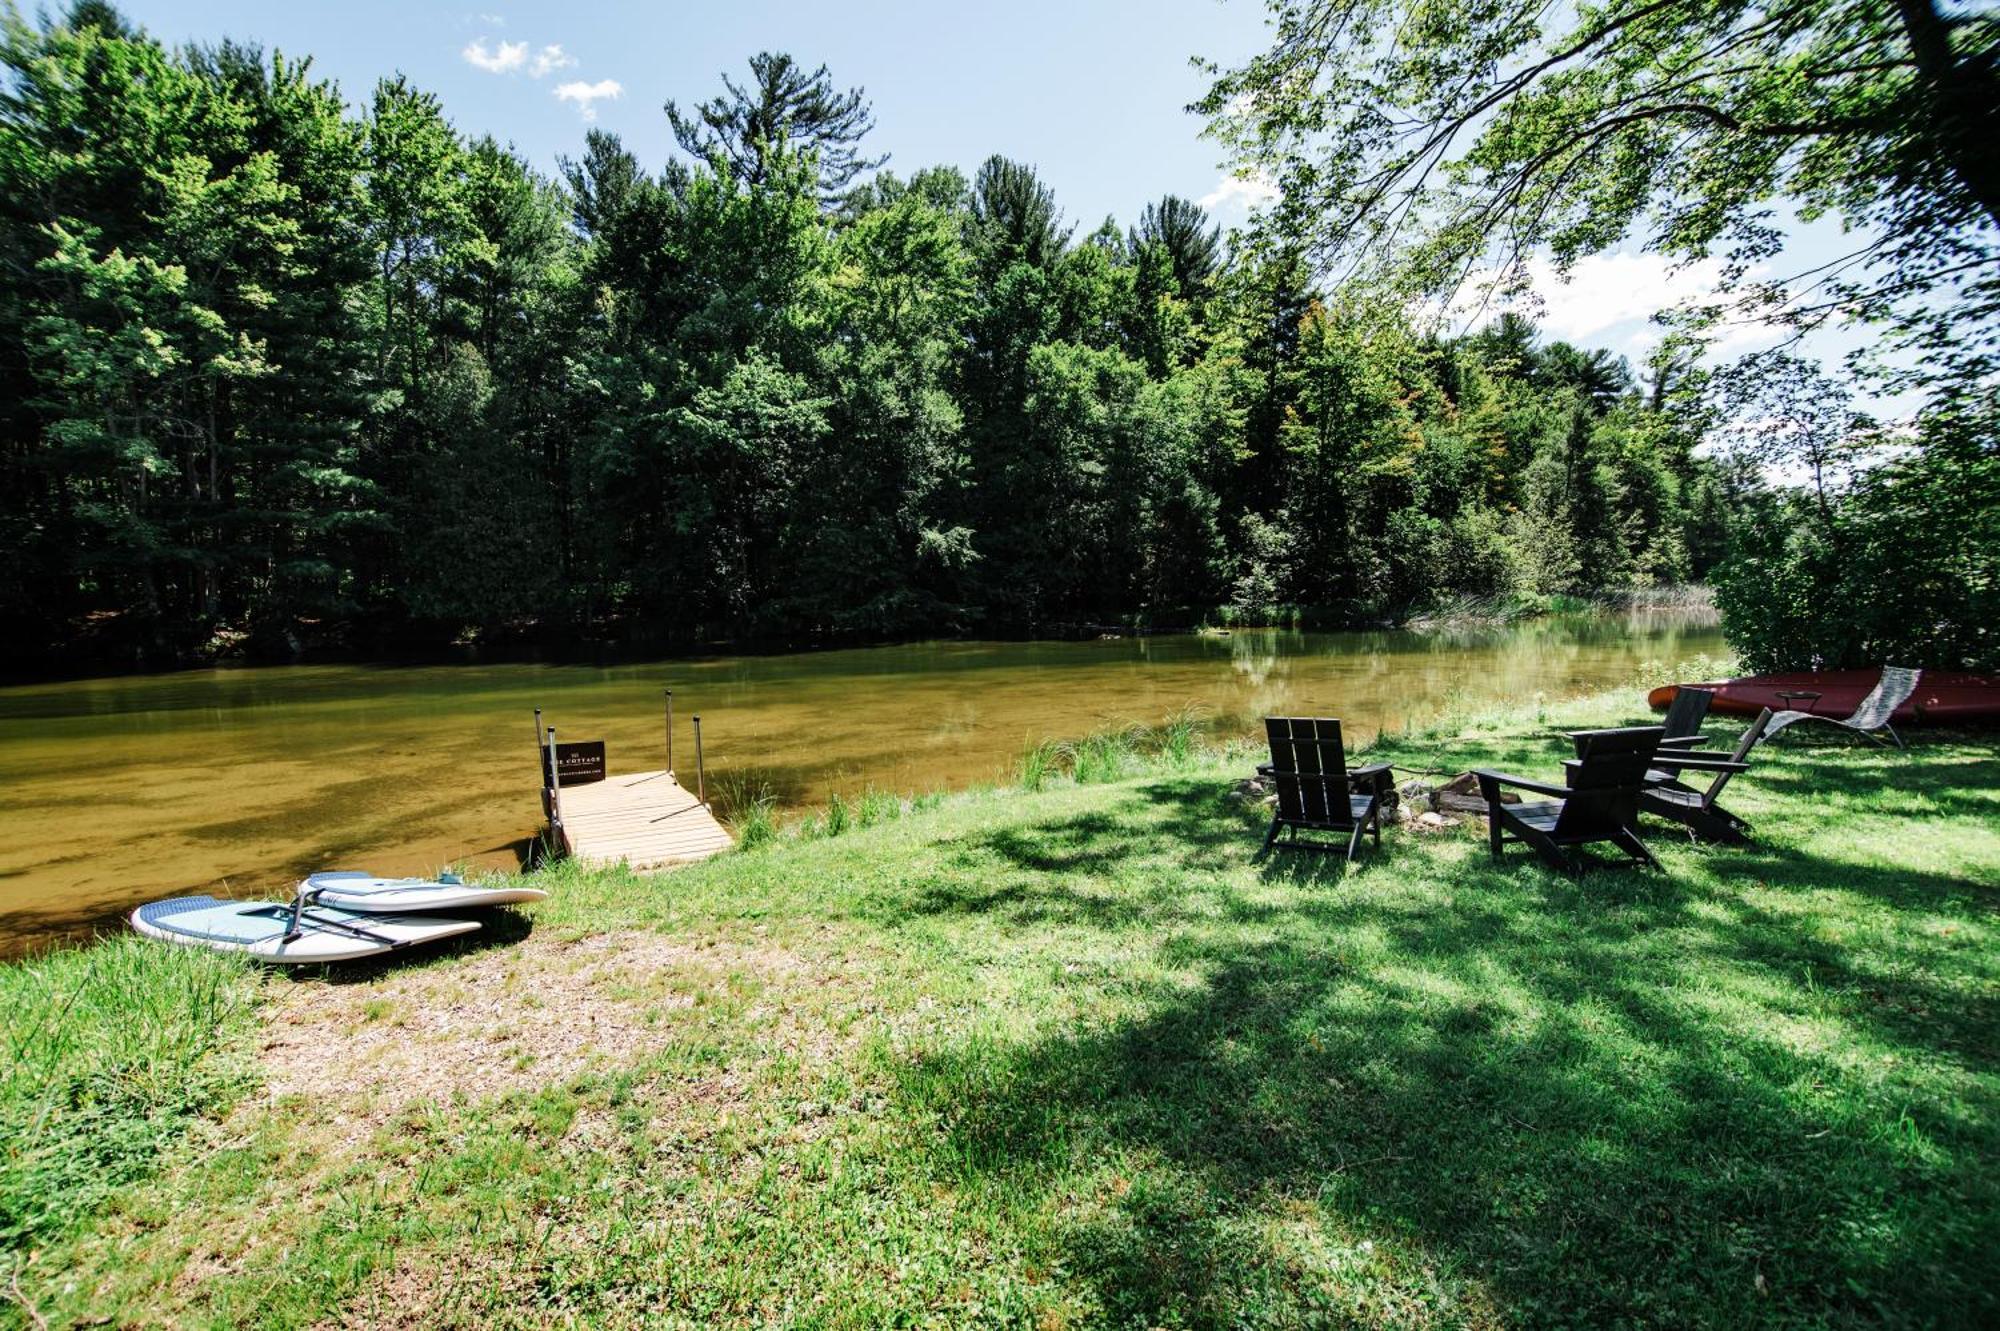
1599 802
1890 692
1668 795
1316 791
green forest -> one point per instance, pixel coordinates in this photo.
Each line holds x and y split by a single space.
283 376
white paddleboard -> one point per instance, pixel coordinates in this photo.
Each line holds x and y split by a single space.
370 895
258 928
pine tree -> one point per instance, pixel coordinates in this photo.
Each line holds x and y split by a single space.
783 103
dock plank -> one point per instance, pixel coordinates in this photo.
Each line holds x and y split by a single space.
645 819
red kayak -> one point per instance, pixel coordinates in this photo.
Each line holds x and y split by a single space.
1943 697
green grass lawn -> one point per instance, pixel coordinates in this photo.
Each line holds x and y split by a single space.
1068 1058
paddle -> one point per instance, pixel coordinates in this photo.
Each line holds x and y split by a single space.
306 896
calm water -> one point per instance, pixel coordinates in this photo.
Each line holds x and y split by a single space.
237 782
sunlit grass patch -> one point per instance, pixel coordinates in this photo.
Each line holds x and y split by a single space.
110 1052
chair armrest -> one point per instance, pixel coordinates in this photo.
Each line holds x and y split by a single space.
1496 779
1700 762
1372 778
1684 742
1266 769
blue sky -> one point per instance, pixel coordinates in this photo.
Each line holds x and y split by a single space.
1092 92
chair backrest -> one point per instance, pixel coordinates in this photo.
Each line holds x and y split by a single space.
1890 692
1605 778
1309 768
1687 711
1748 742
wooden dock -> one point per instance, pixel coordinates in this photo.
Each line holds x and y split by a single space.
644 819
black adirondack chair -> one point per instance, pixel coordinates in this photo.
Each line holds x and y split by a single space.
1668 794
1685 714
1890 692
1598 802
1316 791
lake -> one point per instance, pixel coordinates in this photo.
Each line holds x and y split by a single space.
240 781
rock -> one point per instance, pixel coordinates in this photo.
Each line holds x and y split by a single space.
1431 821
1461 795
1254 791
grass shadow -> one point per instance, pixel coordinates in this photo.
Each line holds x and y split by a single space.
1627 1099
1576 1173
1959 785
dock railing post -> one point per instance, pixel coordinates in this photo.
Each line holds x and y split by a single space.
541 752
670 732
555 789
700 774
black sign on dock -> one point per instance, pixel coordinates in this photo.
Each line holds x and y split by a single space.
578 764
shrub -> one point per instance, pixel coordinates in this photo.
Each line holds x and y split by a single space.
1903 567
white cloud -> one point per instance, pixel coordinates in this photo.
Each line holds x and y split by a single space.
1239 194
1744 333
1609 300
511 57
508 57
587 95
497 20
548 60
1605 290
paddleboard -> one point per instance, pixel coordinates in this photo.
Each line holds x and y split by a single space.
370 895
259 927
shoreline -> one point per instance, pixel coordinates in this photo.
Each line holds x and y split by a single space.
1694 600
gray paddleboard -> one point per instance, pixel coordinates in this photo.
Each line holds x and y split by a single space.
258 928
368 894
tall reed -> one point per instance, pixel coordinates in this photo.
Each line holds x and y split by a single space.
1106 755
839 817
1178 738
1039 764
750 811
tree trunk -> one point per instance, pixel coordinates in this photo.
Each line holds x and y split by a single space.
1964 99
